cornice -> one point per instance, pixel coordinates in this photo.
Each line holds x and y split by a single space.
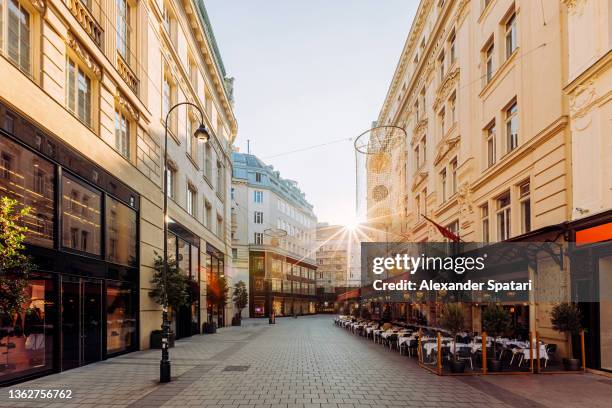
426 66
126 106
444 147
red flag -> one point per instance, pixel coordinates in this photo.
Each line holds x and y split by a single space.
446 233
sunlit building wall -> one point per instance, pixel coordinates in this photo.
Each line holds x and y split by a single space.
98 78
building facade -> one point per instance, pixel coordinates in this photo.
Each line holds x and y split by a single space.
338 269
494 145
273 236
85 88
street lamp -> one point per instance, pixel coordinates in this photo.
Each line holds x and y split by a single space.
201 133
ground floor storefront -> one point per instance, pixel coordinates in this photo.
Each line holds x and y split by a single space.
280 285
82 299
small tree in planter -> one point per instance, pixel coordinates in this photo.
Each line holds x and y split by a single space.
566 318
453 320
495 321
217 291
177 292
15 266
240 299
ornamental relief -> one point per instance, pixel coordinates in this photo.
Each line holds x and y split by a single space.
444 147
581 102
83 55
464 198
462 12
575 7
39 5
449 83
123 104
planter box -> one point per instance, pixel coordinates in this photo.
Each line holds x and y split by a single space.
209 328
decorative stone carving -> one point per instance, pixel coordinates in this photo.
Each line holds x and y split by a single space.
462 12
575 7
464 198
85 57
39 5
126 106
443 91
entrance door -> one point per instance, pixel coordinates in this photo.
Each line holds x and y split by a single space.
81 322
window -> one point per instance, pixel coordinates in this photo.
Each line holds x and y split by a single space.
259 238
208 161
452 47
453 171
452 105
16 41
123 29
191 142
120 318
81 217
169 23
208 215
193 73
484 223
511 40
30 180
417 204
454 228
441 66
490 138
171 181
417 158
258 196
122 134
120 233
489 62
234 253
79 92
511 127
442 120
503 216
258 217
258 177
169 99
192 196
424 150
525 200
220 179
220 232
443 183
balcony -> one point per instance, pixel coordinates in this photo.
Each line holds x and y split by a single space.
86 20
127 74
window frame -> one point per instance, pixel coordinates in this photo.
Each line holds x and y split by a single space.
511 119
511 33
504 216
491 143
79 68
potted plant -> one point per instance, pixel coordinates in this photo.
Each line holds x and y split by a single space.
241 299
15 269
453 320
209 328
365 313
566 318
177 292
495 321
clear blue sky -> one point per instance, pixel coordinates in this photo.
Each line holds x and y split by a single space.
309 72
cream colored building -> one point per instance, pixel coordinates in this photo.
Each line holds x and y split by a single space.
96 79
506 106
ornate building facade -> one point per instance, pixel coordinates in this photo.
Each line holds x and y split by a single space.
273 236
507 117
85 88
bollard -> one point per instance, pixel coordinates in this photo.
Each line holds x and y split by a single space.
583 351
419 353
484 352
537 352
531 351
439 354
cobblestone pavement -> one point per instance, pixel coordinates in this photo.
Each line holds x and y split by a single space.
304 362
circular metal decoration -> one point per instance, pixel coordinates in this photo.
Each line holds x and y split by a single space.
379 162
380 192
379 139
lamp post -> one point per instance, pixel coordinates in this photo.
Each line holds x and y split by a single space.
201 133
